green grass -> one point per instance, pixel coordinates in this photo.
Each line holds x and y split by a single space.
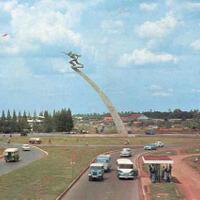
45 179
81 140
165 191
193 150
164 153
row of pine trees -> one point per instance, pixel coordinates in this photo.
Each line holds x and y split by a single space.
58 121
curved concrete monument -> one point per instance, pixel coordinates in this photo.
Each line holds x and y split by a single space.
116 118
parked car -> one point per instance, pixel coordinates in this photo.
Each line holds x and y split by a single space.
26 147
150 132
126 152
150 147
11 155
35 141
105 159
126 169
159 144
96 172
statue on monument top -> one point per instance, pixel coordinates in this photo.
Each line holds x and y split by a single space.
74 60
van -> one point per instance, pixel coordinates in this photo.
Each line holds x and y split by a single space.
105 159
126 169
11 155
96 172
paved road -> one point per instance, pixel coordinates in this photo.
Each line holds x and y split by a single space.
26 157
110 189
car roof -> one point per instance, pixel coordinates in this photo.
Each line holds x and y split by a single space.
103 156
126 149
11 150
96 165
34 139
124 161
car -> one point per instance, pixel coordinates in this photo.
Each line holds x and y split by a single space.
126 169
126 152
150 132
159 144
150 147
11 155
35 141
96 172
26 147
105 159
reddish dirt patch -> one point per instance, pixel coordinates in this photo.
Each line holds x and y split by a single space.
188 178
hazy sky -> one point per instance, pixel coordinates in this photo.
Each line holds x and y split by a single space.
144 54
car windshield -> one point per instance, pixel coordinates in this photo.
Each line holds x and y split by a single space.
102 160
126 166
95 168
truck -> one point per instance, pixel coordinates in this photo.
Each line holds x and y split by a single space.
96 172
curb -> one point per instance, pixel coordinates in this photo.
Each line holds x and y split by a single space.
142 192
79 176
45 152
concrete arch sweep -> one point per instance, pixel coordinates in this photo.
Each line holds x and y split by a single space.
116 118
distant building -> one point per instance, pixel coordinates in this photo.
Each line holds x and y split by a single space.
128 118
33 121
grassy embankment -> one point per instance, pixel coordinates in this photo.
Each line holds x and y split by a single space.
45 179
66 140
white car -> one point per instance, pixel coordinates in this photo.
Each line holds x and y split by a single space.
126 152
159 144
26 147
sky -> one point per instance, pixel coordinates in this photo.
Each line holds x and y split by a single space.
143 54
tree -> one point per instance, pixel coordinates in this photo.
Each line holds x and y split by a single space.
48 123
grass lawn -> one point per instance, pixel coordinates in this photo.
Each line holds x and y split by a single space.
1 151
45 179
81 140
193 150
165 191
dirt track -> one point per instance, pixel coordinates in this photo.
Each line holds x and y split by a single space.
188 179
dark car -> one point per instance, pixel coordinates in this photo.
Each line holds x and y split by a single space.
150 132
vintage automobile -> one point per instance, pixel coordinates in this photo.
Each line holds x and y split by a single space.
126 152
150 132
11 155
126 169
159 144
35 141
26 147
150 147
105 159
96 172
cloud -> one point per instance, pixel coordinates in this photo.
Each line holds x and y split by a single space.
193 6
156 29
143 56
112 26
59 65
148 6
195 45
157 90
42 23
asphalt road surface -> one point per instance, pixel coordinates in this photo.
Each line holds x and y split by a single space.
111 188
26 157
